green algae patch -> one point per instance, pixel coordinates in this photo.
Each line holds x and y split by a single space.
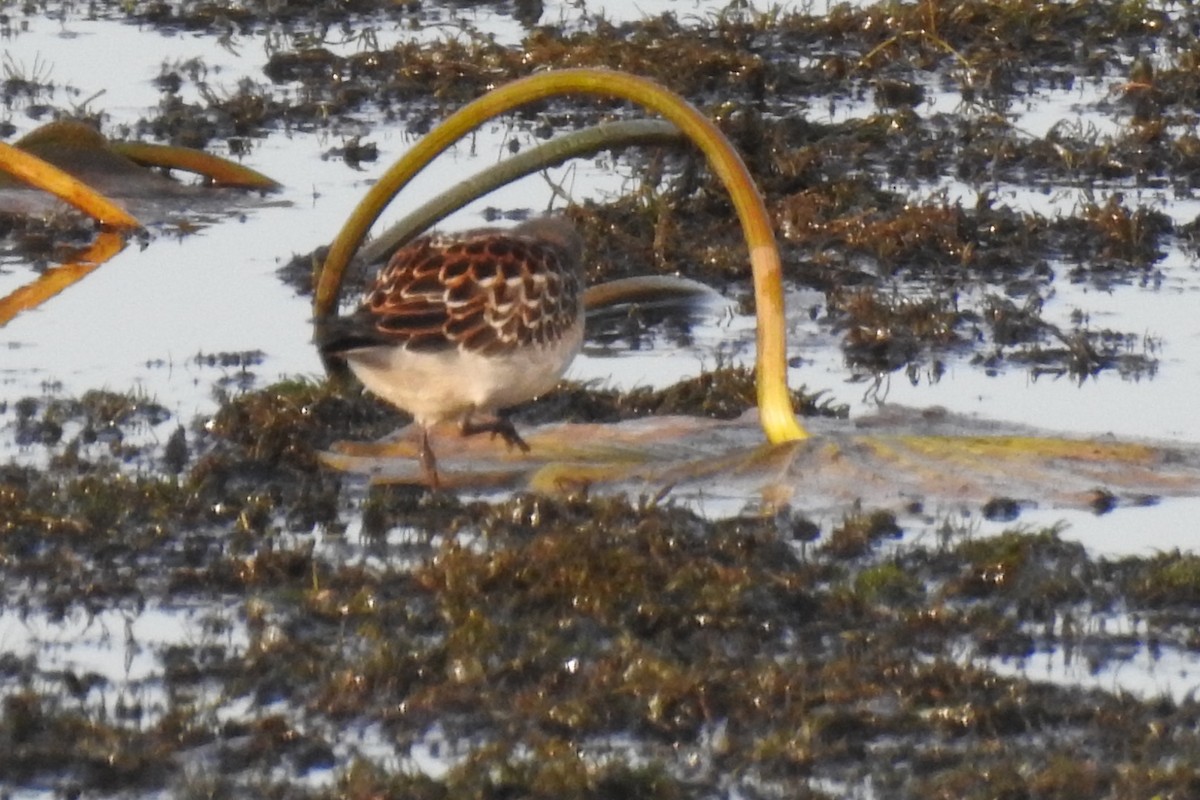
1171 579
887 583
1037 570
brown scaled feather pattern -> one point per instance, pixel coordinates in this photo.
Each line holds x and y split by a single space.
490 292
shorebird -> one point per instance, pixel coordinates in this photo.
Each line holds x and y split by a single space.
458 327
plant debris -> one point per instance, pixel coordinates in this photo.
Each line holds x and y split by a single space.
337 637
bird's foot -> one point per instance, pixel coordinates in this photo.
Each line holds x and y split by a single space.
497 426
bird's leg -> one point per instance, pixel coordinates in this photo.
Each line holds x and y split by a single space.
428 462
496 426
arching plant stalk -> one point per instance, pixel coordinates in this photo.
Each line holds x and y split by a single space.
221 171
576 144
774 401
43 175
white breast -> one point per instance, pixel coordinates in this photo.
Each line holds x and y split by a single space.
447 385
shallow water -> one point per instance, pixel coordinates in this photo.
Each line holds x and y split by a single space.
142 320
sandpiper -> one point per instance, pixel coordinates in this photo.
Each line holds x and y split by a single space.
458 326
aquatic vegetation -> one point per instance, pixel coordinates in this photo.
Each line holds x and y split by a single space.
337 636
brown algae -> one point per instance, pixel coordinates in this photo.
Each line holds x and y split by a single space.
586 646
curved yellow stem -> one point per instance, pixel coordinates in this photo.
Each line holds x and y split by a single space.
774 401
43 175
576 144
220 171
